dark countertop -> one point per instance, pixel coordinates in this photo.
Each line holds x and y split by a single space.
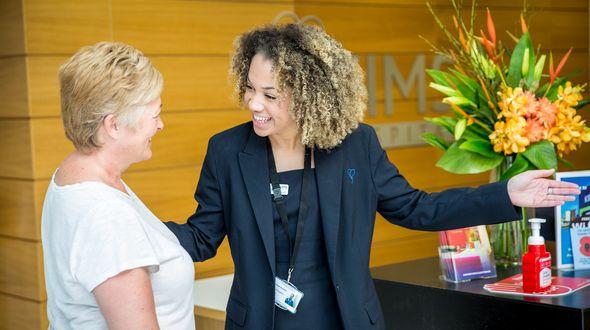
426 272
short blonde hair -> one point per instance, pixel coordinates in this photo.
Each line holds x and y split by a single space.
328 96
103 79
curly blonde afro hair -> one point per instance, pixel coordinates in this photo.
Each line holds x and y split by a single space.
328 97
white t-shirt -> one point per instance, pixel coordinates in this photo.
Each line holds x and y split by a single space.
91 232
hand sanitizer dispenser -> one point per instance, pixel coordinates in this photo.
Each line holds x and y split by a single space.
536 263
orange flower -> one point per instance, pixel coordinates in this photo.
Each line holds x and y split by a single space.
510 137
540 117
569 96
514 102
569 131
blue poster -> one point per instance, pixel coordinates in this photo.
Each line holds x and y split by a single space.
574 214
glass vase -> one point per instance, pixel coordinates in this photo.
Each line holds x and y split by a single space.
509 239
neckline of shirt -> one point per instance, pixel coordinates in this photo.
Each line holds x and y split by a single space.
79 185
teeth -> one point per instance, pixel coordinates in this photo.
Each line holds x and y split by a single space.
261 119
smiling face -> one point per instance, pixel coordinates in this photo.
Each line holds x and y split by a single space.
270 111
136 143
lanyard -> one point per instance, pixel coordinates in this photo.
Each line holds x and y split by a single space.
280 203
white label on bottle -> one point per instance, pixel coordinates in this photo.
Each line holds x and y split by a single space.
545 277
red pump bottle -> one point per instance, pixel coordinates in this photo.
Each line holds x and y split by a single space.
536 263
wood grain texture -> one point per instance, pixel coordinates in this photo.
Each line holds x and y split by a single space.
21 273
17 313
570 4
391 29
62 26
400 250
202 83
190 83
188 27
13 87
183 141
18 210
15 149
12 33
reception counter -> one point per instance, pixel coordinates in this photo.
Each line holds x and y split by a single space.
413 297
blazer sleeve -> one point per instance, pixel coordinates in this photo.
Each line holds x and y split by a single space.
401 204
204 231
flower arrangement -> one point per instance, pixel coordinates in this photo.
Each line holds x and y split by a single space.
501 108
509 114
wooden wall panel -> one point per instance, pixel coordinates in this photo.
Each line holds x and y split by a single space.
168 192
188 27
12 33
21 272
182 142
400 250
15 149
22 314
17 210
391 29
190 83
13 87
569 4
195 83
62 26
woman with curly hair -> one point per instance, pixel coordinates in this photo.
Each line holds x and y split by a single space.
296 189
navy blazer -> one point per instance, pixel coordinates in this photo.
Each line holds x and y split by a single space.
355 180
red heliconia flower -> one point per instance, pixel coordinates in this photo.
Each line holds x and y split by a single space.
491 28
553 73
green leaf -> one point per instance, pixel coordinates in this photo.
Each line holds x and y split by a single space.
440 77
520 164
459 161
444 89
435 141
541 155
481 147
460 128
447 122
465 85
514 70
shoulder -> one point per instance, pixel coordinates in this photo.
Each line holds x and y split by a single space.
363 135
234 134
233 138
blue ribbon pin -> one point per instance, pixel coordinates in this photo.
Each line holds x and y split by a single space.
351 172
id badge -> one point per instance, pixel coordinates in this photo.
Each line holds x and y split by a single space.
287 296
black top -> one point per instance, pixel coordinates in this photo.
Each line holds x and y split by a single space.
312 273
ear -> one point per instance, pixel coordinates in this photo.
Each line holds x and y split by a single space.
110 126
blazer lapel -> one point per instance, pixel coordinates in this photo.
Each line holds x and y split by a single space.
329 177
254 166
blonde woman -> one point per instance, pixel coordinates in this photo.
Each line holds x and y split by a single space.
109 262
296 189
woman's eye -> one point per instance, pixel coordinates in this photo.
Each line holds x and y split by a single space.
270 97
248 87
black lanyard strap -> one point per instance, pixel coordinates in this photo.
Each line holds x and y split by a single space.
280 203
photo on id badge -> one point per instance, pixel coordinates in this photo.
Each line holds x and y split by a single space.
287 296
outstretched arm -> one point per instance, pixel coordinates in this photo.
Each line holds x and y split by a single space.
204 231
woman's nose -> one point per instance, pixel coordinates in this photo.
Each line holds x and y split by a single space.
254 105
160 124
